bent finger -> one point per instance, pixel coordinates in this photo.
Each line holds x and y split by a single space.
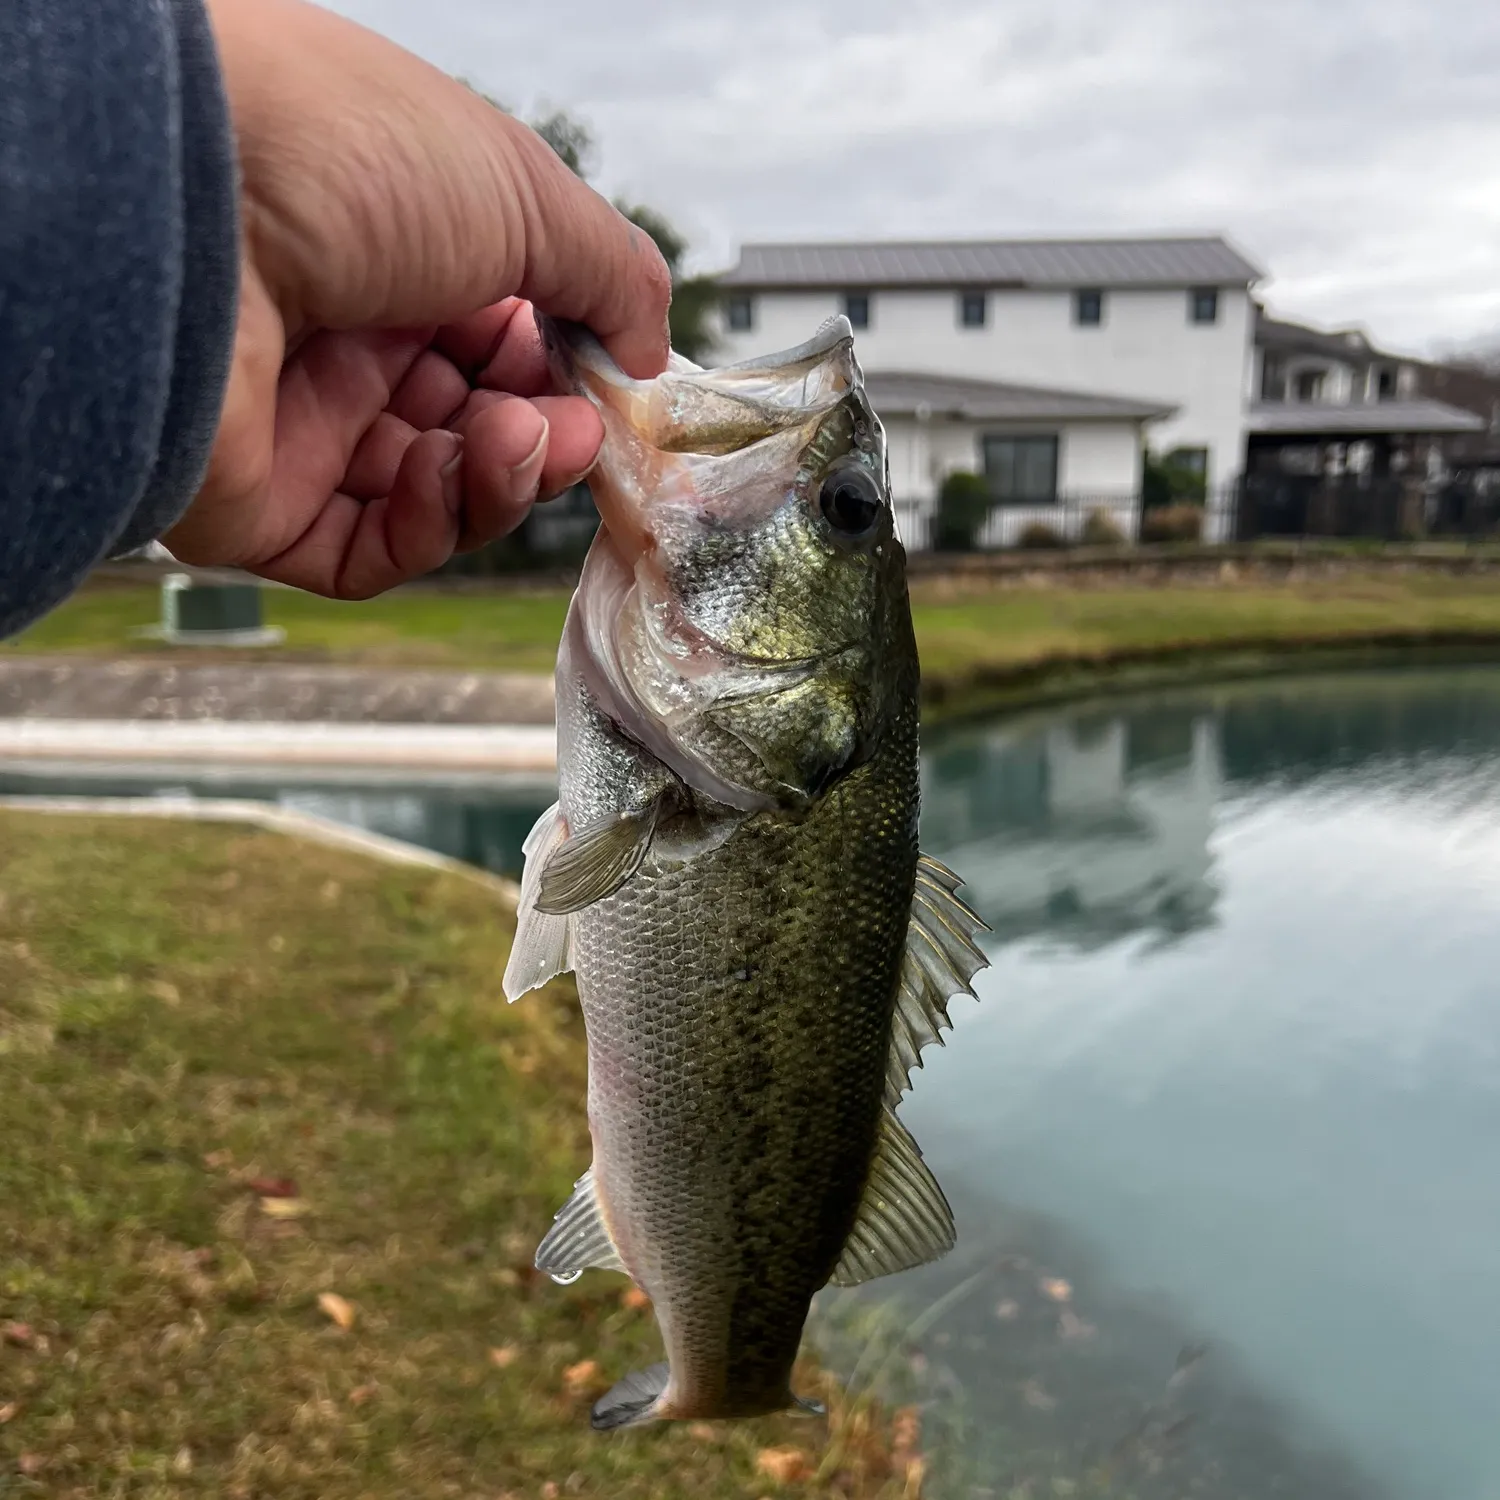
354 551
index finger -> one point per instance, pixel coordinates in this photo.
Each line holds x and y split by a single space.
586 262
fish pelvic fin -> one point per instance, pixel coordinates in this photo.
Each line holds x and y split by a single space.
543 944
633 1400
596 861
579 1239
942 958
904 1219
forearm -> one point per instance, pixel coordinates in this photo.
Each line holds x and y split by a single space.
118 277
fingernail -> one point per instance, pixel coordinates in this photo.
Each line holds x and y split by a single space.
450 477
450 465
526 476
564 485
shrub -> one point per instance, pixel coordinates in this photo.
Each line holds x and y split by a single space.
1099 530
962 509
1038 536
1173 523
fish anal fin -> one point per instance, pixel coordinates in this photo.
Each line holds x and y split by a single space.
904 1219
631 1401
596 861
579 1239
942 958
541 950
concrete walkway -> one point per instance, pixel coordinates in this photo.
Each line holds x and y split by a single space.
494 748
87 713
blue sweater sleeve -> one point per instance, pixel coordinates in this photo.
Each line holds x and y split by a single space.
119 253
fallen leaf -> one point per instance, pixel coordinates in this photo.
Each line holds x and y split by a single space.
784 1465
583 1378
9 1412
335 1307
285 1208
216 1161
182 1464
1038 1398
635 1299
19 1334
277 944
362 1393
703 1432
1008 1310
31 1463
1071 1326
165 991
1056 1288
550 1491
331 892
272 1187
504 1357
227 881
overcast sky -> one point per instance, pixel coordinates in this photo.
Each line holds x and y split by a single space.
1351 149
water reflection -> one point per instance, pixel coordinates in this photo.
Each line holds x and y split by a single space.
1231 1102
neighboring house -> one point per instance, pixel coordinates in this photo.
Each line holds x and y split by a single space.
1296 363
1330 404
1065 348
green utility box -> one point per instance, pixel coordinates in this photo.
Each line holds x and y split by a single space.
197 612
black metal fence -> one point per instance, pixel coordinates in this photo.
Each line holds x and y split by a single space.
1390 509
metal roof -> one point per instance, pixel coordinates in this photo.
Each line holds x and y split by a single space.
1395 418
1209 261
902 394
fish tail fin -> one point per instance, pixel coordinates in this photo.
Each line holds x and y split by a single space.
632 1400
807 1406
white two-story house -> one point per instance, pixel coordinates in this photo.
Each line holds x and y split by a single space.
1042 363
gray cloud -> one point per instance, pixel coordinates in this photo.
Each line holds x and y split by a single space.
1352 147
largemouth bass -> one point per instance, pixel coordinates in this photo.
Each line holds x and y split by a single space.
732 869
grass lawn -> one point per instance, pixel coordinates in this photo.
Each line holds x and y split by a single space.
238 1075
964 634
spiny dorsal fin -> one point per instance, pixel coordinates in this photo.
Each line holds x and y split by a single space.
578 1240
541 949
596 861
941 958
904 1220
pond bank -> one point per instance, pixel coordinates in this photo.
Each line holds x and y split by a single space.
82 710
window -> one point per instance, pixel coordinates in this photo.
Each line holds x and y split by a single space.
857 309
1022 470
1385 389
1203 304
740 312
1310 385
1273 378
973 309
1088 309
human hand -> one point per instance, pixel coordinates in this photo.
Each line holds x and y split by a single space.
388 400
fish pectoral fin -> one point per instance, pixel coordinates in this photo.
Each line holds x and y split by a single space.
579 1239
596 861
942 957
904 1219
543 942
631 1401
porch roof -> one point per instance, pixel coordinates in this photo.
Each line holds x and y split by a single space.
1311 419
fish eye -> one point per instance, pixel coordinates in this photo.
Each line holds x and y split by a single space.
850 499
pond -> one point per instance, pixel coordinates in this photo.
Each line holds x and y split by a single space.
1222 1132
